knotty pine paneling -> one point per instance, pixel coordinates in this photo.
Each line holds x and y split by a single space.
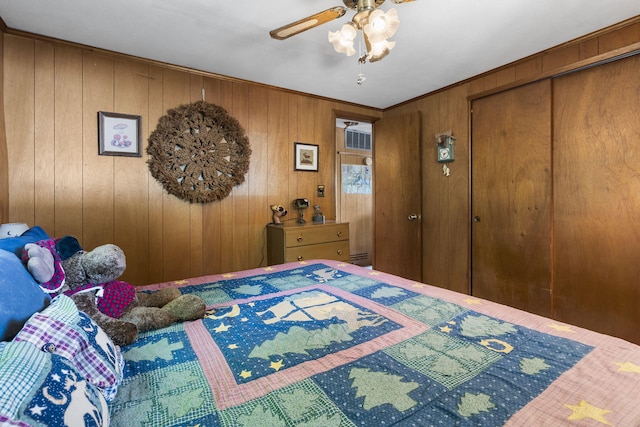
257 197
131 94
68 163
327 166
19 116
44 137
176 214
52 94
211 227
241 237
4 158
195 211
226 215
97 171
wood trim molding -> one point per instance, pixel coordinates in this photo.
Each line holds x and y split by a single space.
614 55
629 28
19 33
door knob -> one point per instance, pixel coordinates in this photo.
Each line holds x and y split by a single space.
412 217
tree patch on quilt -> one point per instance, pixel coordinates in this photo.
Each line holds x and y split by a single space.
250 290
482 326
388 292
302 403
473 404
151 351
447 360
395 391
431 311
189 397
533 365
298 340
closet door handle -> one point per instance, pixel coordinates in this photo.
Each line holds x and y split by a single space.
412 217
476 219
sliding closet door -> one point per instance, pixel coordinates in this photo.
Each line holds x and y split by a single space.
597 193
511 197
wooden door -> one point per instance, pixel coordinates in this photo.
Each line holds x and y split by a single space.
398 242
511 198
597 193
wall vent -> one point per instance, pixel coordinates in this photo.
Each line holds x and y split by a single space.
358 258
357 140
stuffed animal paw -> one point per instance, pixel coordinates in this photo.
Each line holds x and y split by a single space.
39 262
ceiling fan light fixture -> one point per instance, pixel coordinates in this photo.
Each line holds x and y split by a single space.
361 18
381 25
343 40
378 50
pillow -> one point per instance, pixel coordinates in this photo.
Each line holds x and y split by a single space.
63 330
42 389
20 294
15 244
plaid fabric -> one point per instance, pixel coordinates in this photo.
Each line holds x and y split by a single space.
116 298
63 330
112 298
6 422
18 361
38 389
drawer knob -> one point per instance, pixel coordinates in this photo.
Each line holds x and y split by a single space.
299 239
339 251
339 233
300 258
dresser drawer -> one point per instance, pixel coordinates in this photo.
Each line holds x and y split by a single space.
316 234
292 242
335 250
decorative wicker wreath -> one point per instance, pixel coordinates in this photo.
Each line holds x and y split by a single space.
199 152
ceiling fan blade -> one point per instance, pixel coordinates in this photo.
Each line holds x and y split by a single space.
308 23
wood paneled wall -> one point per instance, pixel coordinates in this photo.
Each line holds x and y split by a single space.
56 179
446 215
4 160
52 93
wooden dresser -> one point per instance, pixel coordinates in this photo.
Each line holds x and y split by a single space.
299 242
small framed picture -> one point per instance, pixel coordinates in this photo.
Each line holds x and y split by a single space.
305 157
119 134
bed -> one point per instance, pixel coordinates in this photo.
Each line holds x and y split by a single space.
325 343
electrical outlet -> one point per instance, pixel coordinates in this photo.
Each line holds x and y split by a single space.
320 190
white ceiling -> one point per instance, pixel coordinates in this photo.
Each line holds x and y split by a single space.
439 42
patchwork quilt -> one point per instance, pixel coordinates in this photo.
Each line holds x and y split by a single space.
323 343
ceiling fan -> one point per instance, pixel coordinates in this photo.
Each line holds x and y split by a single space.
376 26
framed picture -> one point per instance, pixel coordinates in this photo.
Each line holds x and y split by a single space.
119 134
305 157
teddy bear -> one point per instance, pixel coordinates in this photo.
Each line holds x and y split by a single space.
278 212
90 279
